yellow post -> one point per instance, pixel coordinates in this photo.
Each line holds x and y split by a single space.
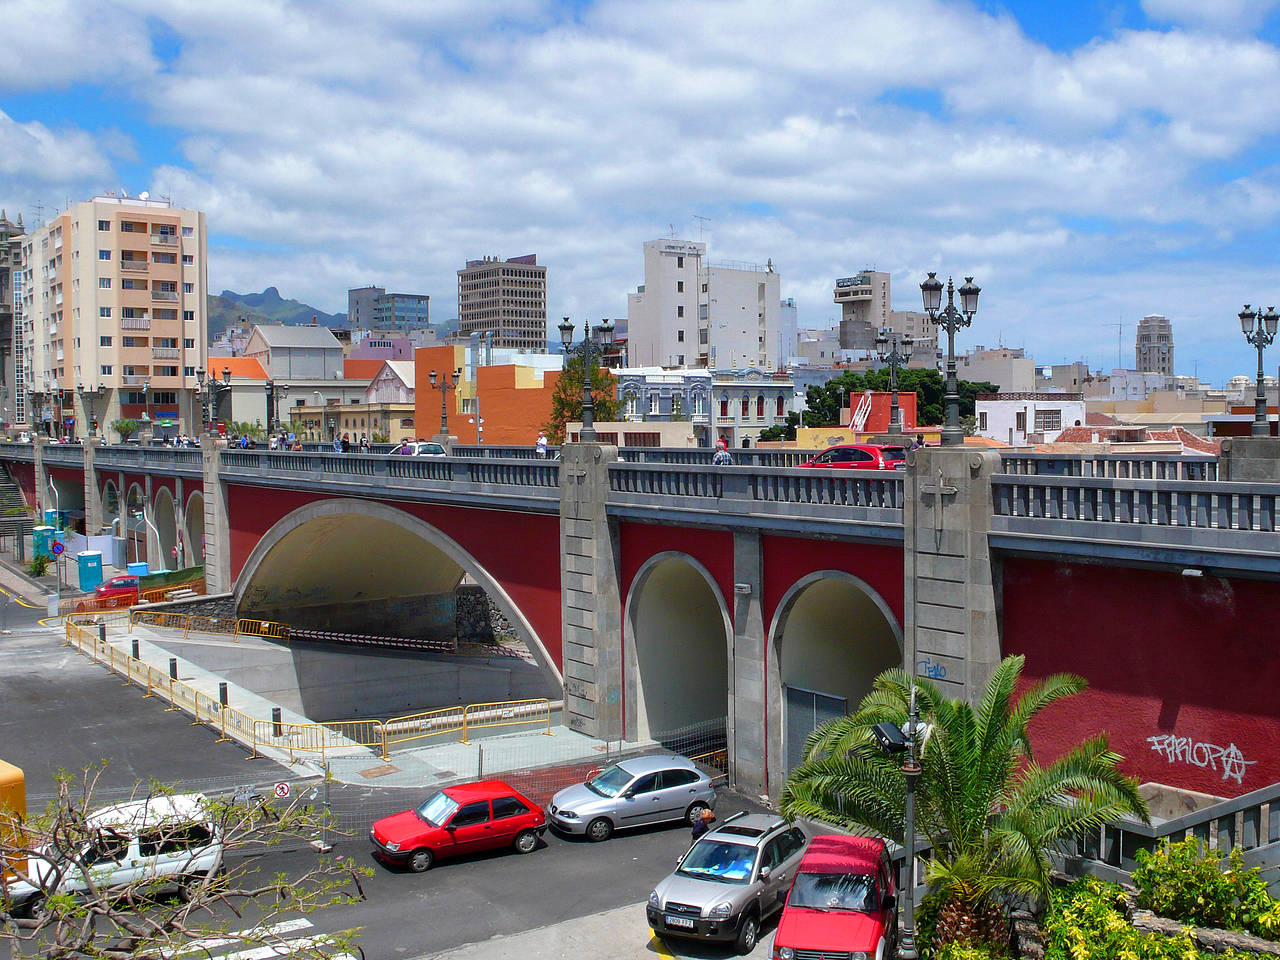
224 738
386 754
173 703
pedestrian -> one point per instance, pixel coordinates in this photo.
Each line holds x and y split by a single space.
404 448
703 825
337 443
364 443
541 445
346 443
722 456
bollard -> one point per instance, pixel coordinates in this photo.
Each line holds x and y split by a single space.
136 654
173 668
222 692
277 728
102 634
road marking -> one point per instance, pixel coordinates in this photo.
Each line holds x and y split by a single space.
659 946
18 600
210 943
284 949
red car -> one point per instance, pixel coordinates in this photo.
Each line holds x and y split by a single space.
121 591
842 902
457 821
860 456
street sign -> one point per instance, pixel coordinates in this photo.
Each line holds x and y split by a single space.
57 548
281 790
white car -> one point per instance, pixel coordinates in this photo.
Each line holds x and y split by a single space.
161 839
23 437
419 448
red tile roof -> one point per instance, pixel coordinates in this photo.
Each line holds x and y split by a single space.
361 369
246 367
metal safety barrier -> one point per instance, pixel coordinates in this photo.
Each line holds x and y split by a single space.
93 604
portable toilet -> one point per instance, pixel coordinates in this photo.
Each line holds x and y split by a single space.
51 517
138 568
42 540
90 566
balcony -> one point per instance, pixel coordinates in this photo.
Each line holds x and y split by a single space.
169 296
135 323
164 239
134 380
164 353
139 265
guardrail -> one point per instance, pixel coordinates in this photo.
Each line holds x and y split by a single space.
1159 466
520 473
155 595
848 488
1174 503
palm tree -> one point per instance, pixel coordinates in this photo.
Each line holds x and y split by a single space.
989 811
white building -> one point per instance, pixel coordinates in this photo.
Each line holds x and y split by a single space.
690 312
1009 368
1135 384
1020 418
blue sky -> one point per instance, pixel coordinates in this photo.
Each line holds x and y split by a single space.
1088 162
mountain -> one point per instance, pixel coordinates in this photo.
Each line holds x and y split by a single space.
265 307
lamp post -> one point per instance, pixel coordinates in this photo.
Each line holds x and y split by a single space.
895 350
333 427
211 390
951 319
447 382
1261 338
587 349
911 771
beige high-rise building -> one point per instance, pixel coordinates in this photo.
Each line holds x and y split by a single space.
114 317
1153 346
506 298
864 308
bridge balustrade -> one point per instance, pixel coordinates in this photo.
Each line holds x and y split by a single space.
1169 466
754 456
1177 503
19 451
64 454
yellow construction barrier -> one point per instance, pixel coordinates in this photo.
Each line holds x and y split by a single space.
262 628
505 714
125 601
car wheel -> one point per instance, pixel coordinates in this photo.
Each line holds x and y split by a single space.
746 941
421 861
601 828
694 813
526 841
32 906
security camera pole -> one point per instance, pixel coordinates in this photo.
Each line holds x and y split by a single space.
911 770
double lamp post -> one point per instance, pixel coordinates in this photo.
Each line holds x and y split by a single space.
588 350
1259 330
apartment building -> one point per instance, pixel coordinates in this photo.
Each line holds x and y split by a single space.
1153 345
505 298
372 308
12 400
692 312
1009 368
114 316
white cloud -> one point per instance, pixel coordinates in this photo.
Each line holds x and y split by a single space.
55 42
1224 15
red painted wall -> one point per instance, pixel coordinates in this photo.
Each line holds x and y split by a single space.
521 551
711 548
24 475
788 559
1188 661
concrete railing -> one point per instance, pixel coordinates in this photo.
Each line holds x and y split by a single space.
64 454
186 459
17 451
1163 466
752 457
1175 503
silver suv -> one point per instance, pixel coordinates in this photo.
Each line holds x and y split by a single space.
630 794
732 879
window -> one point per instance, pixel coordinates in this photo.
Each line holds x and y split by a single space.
164 397
653 403
105 370
187 258
188 316
982 419
188 231
163 258
680 311
678 778
191 372
104 254
724 407
104 224
104 311
631 406
104 283
679 263
1020 421
679 336
104 341
760 408
781 404
646 784
1048 420
702 336
189 342
133 341
504 807
746 408
108 847
704 288
470 814
679 286
166 341
188 288
166 372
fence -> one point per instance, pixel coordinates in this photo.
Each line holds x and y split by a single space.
124 602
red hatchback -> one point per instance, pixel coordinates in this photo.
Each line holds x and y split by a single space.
842 902
121 591
860 456
456 821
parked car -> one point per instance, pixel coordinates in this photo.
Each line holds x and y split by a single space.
23 437
842 901
119 591
633 793
456 821
419 448
165 841
732 879
860 456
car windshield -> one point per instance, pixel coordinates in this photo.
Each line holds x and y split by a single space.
834 891
719 861
437 808
430 448
609 782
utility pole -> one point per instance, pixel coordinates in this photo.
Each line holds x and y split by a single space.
1119 342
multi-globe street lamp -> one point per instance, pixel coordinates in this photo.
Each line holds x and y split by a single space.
211 391
274 394
950 319
1260 337
87 397
447 382
588 349
895 350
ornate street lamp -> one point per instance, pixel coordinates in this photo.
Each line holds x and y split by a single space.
1261 338
895 350
274 393
445 386
146 406
951 319
211 391
588 349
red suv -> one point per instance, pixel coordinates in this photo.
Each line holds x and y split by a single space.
842 902
459 820
860 456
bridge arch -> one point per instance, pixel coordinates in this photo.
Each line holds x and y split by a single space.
678 639
380 551
112 508
134 527
194 534
165 518
831 635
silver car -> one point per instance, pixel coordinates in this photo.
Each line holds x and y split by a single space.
731 880
630 794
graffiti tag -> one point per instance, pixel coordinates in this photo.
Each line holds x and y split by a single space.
1206 755
933 669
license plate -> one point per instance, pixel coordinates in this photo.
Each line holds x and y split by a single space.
681 922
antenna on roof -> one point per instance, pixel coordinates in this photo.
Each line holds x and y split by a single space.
702 222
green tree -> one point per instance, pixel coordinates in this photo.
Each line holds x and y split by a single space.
126 428
824 402
988 809
785 431
566 398
254 431
677 409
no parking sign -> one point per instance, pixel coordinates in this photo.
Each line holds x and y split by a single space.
281 790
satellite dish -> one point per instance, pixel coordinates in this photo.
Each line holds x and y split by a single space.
124 193
144 195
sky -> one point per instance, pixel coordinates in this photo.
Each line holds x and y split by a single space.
1088 163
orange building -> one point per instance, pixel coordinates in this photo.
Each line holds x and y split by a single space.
515 401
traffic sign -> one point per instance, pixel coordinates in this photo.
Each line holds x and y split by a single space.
281 790
57 548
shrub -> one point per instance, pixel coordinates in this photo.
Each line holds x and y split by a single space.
964 951
39 565
1186 881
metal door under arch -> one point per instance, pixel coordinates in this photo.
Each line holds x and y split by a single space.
807 710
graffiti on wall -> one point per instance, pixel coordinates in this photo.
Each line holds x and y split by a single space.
1209 756
933 669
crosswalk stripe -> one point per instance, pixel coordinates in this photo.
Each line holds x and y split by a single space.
277 950
212 943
